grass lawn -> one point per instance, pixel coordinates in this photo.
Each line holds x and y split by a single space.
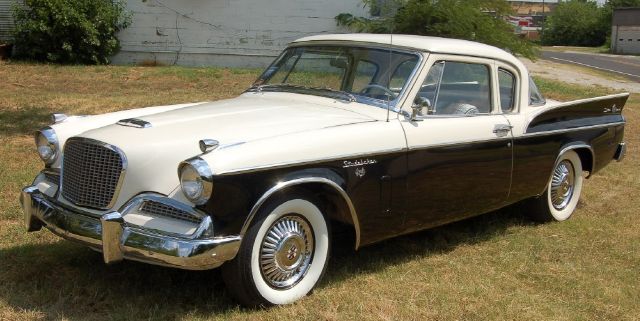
596 50
496 266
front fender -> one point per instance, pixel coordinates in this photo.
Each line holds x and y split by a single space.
237 198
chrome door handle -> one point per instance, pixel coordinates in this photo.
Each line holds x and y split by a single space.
501 128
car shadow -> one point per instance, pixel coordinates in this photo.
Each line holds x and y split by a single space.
23 122
65 280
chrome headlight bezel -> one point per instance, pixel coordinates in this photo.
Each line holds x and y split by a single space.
196 180
46 139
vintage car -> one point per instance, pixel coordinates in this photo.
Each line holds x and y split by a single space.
377 134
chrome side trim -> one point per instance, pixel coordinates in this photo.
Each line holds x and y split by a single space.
308 161
460 142
557 131
134 122
299 181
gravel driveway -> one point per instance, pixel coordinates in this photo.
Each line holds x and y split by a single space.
580 75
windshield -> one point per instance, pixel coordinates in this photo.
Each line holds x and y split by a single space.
372 76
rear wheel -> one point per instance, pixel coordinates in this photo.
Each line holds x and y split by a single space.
283 255
560 199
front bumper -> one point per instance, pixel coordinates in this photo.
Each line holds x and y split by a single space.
116 240
621 151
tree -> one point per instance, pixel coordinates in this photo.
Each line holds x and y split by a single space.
582 22
575 23
476 20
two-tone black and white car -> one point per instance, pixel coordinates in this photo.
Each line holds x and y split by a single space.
385 138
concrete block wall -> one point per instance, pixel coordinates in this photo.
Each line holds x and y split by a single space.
625 40
234 33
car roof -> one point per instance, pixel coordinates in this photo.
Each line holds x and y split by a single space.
423 43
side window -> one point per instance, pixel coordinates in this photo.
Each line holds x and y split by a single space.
363 75
507 83
535 97
458 88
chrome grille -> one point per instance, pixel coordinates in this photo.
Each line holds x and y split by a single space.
91 172
157 208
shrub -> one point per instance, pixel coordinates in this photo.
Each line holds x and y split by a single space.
69 31
476 20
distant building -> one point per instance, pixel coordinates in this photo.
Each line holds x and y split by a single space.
246 33
529 16
533 7
625 31
233 33
6 19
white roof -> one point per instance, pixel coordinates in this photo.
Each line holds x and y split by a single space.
430 44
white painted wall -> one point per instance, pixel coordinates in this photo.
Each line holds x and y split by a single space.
246 33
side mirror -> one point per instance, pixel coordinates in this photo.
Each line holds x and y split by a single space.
419 104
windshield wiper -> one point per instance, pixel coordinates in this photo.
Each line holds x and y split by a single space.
259 88
351 97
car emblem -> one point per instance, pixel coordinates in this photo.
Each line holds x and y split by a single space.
613 109
360 172
359 162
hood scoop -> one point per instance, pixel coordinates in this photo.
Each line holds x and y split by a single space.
134 122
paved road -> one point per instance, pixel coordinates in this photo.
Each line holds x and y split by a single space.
627 66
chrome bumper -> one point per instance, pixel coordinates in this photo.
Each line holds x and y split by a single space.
620 152
111 236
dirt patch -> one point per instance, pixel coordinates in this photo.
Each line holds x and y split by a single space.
580 75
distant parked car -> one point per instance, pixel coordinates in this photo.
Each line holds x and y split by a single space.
387 138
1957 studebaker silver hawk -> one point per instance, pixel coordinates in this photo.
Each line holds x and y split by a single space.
384 137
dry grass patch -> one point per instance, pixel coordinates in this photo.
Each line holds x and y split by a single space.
496 266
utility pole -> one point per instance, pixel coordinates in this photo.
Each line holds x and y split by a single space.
544 18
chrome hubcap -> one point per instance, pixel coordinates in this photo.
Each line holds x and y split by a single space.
562 185
286 252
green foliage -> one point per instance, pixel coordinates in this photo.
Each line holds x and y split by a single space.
575 23
582 23
69 31
476 20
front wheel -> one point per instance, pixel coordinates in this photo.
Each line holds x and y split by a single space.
283 255
560 199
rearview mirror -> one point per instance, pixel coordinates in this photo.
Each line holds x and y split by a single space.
341 63
419 104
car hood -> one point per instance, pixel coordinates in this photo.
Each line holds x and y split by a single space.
239 120
173 135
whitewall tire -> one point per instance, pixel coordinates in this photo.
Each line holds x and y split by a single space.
283 255
560 199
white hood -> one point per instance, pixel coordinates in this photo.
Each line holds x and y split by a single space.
174 135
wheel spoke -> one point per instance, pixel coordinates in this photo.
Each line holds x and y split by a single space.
562 182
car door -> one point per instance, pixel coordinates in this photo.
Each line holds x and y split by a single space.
460 149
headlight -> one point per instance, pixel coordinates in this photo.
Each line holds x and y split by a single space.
195 180
47 144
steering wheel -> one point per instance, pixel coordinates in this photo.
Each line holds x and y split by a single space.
376 86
